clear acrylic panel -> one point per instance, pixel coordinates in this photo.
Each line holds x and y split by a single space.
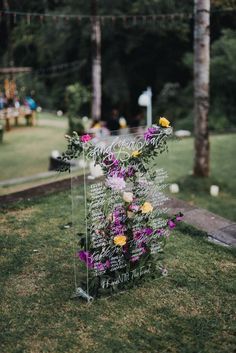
119 213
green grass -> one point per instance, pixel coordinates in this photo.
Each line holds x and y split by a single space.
179 161
190 311
51 116
26 150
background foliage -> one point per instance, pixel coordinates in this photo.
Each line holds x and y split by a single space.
133 57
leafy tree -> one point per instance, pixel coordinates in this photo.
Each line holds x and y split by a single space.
134 56
223 77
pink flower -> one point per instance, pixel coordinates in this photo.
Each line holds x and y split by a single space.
85 138
179 217
171 224
133 208
134 258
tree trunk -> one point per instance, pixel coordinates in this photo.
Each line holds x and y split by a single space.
201 86
96 62
6 7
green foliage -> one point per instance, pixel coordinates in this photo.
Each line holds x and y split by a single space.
76 97
223 78
134 56
176 101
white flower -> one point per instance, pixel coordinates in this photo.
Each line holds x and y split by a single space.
128 196
116 183
130 214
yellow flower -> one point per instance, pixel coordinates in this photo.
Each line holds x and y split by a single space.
120 240
147 207
136 153
164 122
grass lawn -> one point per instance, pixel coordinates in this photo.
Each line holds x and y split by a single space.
179 161
51 116
26 151
190 311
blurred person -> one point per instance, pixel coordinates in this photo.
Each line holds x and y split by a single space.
2 101
135 122
99 129
17 103
113 122
96 124
30 103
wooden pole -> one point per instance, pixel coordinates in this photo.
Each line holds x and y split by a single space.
96 62
201 86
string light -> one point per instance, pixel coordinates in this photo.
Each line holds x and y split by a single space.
125 19
135 19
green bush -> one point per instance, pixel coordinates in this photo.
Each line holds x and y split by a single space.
76 97
223 77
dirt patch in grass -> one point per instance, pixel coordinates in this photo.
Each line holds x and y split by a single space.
227 266
36 345
26 284
23 214
17 221
5 229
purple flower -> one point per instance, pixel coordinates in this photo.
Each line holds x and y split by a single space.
108 264
82 255
148 231
171 224
118 221
116 183
121 172
111 161
118 229
160 232
100 266
137 234
125 248
179 217
86 257
131 171
150 133
144 250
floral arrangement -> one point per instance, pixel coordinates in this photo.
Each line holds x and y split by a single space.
126 240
